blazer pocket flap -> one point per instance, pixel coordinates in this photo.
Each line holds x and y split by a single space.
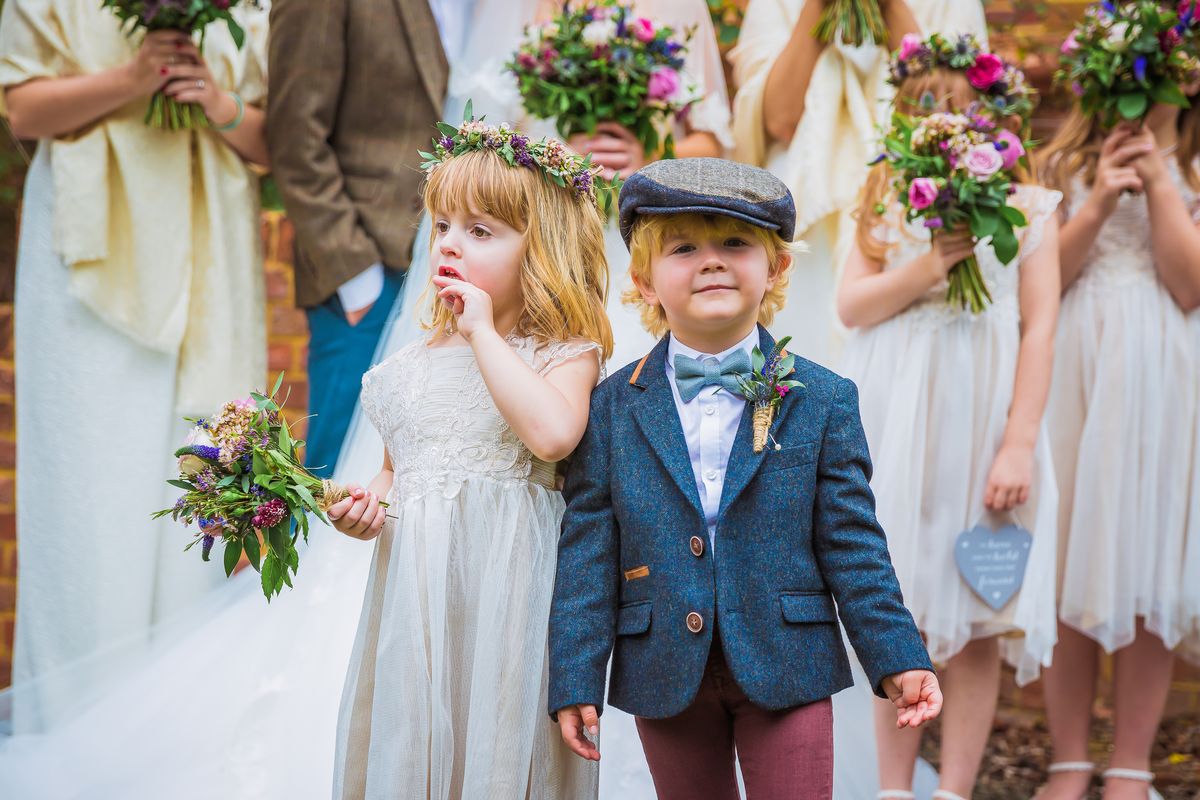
808 607
633 619
789 457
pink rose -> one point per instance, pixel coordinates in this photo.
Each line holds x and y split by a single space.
664 84
1070 45
909 46
643 29
983 160
1012 149
988 69
921 193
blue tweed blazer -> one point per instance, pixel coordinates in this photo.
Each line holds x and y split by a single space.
797 546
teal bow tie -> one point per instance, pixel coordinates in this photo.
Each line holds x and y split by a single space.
692 375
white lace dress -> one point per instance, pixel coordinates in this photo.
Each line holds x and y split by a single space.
1122 411
447 680
935 386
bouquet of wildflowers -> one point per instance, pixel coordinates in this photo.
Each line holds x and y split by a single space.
1124 57
727 16
955 170
853 21
241 479
187 16
597 62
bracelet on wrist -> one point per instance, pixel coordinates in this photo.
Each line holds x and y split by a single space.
237 118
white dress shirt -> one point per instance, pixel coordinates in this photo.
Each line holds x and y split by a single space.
710 423
453 18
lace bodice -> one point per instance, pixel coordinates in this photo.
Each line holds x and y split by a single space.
1123 252
439 423
911 240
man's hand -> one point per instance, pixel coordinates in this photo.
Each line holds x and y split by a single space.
916 695
573 720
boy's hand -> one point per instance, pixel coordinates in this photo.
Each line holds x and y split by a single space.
572 721
916 695
360 515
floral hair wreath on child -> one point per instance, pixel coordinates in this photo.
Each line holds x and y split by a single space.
1002 85
553 158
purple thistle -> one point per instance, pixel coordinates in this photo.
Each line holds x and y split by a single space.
207 546
179 504
446 142
257 491
269 514
934 222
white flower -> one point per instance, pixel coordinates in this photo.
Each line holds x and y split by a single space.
1118 37
199 436
598 32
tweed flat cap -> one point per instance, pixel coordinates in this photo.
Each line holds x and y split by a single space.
708 186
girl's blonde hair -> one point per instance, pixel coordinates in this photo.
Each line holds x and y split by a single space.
564 272
1075 149
951 91
651 231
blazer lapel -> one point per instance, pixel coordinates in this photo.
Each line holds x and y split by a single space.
743 461
426 44
658 418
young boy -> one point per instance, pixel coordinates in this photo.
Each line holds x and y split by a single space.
715 568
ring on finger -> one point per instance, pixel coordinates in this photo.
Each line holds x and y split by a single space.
200 83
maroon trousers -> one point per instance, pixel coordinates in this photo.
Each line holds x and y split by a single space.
784 755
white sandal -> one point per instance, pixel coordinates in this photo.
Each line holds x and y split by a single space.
946 794
1060 767
895 794
1134 775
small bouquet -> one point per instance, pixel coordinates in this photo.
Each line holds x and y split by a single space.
853 21
1124 57
597 62
951 170
766 387
241 477
187 16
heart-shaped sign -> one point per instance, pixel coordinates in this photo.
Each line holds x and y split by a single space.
992 562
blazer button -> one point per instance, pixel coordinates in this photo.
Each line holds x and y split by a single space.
697 546
695 622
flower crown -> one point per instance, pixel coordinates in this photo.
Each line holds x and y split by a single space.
1002 85
557 163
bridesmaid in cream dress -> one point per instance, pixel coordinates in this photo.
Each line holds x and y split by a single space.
819 144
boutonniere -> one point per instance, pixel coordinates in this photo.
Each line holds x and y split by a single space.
766 387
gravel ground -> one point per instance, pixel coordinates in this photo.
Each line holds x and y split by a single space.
1019 750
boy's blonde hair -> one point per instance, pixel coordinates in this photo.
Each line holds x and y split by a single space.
652 230
564 272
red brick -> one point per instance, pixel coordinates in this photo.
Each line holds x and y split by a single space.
8 454
286 320
7 382
279 288
296 392
8 594
8 530
8 559
5 673
279 357
8 493
7 417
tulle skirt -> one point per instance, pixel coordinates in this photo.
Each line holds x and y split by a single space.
447 684
935 389
1122 417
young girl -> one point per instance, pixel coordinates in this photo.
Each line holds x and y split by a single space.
1122 411
952 405
447 684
